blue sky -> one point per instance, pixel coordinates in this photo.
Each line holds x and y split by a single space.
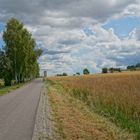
1 29
123 26
79 34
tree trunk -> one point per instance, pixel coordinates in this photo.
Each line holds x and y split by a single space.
7 82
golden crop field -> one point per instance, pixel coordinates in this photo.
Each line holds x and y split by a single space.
114 95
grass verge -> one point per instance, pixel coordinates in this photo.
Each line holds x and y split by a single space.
7 89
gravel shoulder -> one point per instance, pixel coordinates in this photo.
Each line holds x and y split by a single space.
43 128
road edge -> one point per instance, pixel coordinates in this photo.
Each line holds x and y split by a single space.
43 128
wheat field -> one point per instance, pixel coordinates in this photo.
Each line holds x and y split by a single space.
118 92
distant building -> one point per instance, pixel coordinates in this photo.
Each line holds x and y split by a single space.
45 73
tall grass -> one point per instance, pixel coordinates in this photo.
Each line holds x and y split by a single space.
116 96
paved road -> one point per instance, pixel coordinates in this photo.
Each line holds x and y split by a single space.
17 112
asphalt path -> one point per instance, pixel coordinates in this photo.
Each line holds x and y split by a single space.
18 111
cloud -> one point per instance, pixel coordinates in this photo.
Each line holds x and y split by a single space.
62 13
58 27
135 34
1 34
51 52
102 49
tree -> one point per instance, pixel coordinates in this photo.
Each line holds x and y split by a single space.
64 74
77 73
114 69
111 70
6 70
86 71
132 67
20 53
104 70
138 65
1 63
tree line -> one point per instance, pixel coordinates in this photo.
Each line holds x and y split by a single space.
85 72
129 68
133 67
106 70
111 70
18 56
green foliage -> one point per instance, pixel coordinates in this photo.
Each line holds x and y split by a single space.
104 70
63 74
138 65
6 69
134 67
19 55
7 89
86 71
77 73
114 70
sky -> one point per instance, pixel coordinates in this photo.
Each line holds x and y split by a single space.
78 34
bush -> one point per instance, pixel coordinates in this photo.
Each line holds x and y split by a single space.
77 73
63 74
86 71
104 70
